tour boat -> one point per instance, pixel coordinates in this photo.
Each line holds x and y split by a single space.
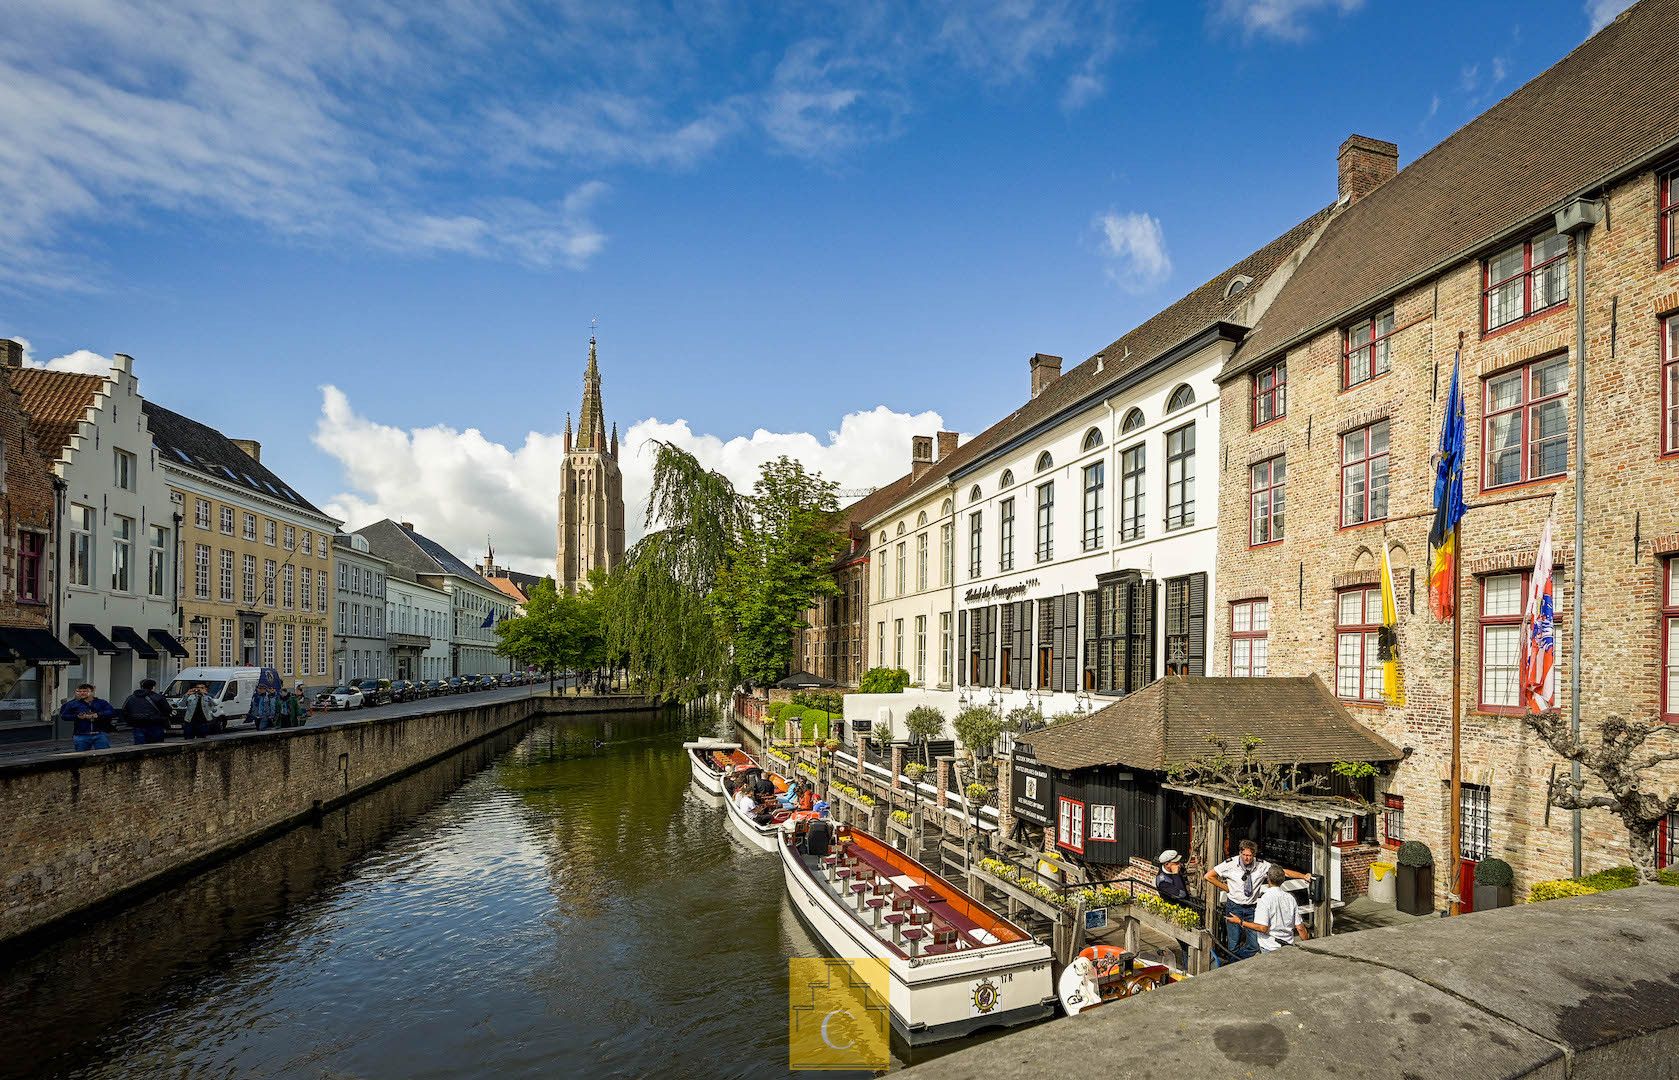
955 966
1104 973
763 837
709 758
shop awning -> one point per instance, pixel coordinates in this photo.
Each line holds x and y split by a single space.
128 636
170 645
34 645
91 636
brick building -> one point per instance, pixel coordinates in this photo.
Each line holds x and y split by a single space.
1337 396
830 644
31 659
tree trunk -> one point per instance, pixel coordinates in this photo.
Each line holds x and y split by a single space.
1641 843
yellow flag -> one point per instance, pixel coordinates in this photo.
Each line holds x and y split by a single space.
1387 639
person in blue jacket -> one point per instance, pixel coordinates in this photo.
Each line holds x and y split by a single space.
92 717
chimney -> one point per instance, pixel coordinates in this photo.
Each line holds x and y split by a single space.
1365 165
11 353
1045 370
251 447
409 525
947 444
920 455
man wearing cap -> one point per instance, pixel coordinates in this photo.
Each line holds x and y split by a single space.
1169 884
1240 878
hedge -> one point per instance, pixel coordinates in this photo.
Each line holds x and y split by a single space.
1617 877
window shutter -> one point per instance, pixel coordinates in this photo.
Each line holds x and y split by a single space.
1023 645
1144 602
962 647
1198 624
1066 648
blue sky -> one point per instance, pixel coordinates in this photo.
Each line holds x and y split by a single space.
375 239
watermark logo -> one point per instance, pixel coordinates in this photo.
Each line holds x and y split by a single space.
837 1015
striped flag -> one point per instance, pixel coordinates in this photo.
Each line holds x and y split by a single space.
1539 634
1448 506
1387 638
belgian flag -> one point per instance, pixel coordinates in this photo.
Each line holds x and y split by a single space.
1448 506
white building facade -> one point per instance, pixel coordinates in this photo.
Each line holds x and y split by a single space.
359 648
913 573
418 629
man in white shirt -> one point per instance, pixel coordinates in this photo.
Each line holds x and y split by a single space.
745 803
1240 879
1276 917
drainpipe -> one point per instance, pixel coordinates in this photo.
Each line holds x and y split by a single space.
1576 219
55 613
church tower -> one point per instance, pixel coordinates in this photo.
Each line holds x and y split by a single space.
591 529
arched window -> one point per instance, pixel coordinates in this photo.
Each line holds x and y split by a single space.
974 493
883 538
1006 479
900 528
1092 439
1045 461
1133 421
946 508
921 519
1181 398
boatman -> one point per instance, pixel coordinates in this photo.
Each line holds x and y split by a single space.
1276 917
1240 878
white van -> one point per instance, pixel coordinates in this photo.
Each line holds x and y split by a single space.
231 688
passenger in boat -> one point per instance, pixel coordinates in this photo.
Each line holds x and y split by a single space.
1276 918
796 789
745 803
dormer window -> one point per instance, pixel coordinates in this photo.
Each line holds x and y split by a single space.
1525 279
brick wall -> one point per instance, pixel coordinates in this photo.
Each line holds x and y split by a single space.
79 830
1632 502
28 503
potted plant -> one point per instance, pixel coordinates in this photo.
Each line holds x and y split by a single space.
1493 882
1416 878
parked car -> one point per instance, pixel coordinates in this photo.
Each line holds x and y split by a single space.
487 682
344 697
403 690
456 684
374 691
437 687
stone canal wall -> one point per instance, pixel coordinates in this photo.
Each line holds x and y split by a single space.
78 831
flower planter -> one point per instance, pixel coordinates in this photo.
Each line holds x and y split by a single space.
1489 897
1415 893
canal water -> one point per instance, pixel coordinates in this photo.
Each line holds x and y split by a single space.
559 901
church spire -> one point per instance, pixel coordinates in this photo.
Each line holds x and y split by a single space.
567 448
591 422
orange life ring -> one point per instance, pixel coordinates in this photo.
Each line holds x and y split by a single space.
1105 957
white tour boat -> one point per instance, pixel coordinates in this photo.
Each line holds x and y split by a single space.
710 758
955 965
762 836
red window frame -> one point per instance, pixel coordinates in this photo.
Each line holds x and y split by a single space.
1489 622
1393 820
1270 390
1667 215
1525 275
1669 623
1061 803
1367 631
1268 485
1670 384
31 559
1366 463
1379 340
1527 405
1250 634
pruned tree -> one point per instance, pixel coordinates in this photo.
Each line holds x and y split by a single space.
1625 767
1243 772
923 723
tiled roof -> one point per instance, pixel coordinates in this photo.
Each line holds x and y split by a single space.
416 552
1168 722
1199 309
184 442
55 402
510 589
1608 106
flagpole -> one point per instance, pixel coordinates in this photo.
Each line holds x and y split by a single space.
1453 891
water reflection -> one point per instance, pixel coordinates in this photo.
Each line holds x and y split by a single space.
556 902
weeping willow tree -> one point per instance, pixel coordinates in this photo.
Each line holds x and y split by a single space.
660 614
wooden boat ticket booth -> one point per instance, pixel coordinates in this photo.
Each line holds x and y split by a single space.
1099 790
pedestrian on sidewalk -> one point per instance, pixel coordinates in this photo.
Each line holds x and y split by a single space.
92 717
290 710
146 712
264 704
198 712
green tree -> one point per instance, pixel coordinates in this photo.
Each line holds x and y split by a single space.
781 566
978 727
923 723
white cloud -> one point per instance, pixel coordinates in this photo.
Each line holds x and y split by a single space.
459 486
1283 19
1135 249
81 361
1603 12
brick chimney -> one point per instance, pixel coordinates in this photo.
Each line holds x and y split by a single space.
1045 370
1365 165
11 353
409 525
920 455
947 443
251 447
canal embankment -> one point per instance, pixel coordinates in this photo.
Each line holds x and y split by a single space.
86 831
